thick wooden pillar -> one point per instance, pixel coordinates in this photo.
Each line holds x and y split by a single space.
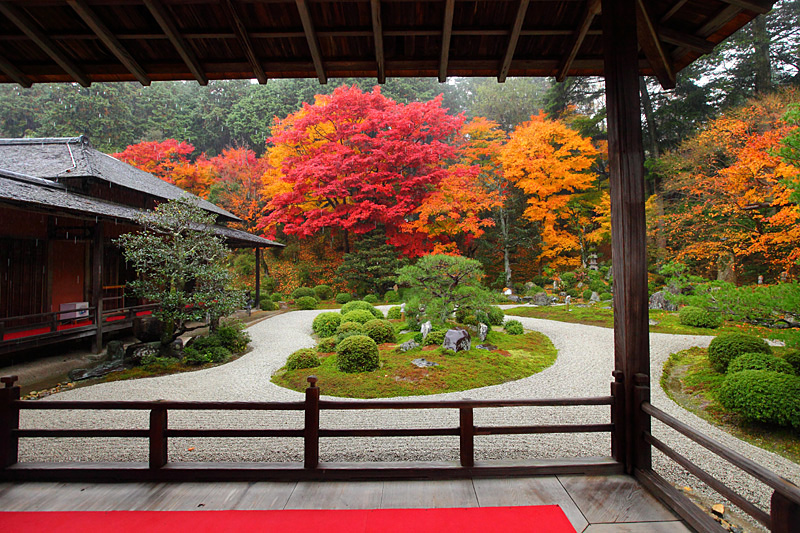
97 285
258 278
628 228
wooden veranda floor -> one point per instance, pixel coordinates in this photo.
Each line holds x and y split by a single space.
593 504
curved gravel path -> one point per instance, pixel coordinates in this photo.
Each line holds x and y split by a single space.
583 368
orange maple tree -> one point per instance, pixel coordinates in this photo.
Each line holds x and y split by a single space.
239 180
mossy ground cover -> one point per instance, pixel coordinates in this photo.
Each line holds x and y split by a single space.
517 357
692 383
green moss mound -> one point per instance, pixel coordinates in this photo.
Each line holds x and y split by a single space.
358 353
760 361
763 396
698 317
303 358
327 345
793 358
513 327
728 346
380 331
325 324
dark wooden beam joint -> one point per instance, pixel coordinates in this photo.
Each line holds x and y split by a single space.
313 41
513 39
592 10
650 41
447 33
244 40
10 70
170 29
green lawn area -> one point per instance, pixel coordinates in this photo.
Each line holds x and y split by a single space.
517 357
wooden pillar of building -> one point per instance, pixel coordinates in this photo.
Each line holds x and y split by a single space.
628 227
97 285
258 278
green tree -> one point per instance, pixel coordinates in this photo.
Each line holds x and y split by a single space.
372 268
179 260
443 283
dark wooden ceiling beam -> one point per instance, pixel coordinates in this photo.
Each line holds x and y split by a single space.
34 32
722 18
447 33
10 70
244 41
671 12
170 29
592 9
513 39
649 40
107 36
685 40
756 6
313 42
377 32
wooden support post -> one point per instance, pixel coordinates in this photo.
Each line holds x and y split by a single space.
642 453
467 434
9 421
97 285
618 451
158 437
784 514
311 433
258 278
628 229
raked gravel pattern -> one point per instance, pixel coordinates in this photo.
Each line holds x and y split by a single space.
583 368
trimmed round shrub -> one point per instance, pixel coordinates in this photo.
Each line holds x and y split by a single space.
306 302
391 297
347 327
435 338
371 298
394 313
233 336
343 298
358 353
218 354
606 296
267 305
379 330
323 292
361 316
356 304
513 327
763 396
277 297
302 292
572 293
587 294
469 320
697 317
303 358
325 324
760 361
495 316
728 346
193 357
327 345
793 358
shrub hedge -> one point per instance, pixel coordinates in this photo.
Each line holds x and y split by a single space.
391 297
763 396
361 316
301 292
379 330
513 327
394 313
728 346
760 361
303 358
343 298
306 302
793 358
323 292
697 317
267 304
358 353
435 338
587 294
371 298
325 324
327 345
347 327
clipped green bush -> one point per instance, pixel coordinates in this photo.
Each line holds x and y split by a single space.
357 304
303 358
435 338
233 336
394 313
587 294
193 357
697 317
325 324
605 296
218 354
358 353
533 289
760 361
379 330
793 358
343 298
513 327
358 315
327 345
306 302
763 396
495 316
302 292
347 327
267 304
371 298
277 297
572 293
323 292
728 346
391 297
469 320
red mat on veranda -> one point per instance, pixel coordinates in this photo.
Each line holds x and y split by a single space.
539 519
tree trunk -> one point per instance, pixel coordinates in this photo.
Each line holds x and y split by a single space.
506 254
761 63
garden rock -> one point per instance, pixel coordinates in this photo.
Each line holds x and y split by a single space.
147 329
652 322
457 340
483 330
489 347
79 374
408 345
425 329
423 363
135 352
595 297
514 298
115 351
542 298
659 301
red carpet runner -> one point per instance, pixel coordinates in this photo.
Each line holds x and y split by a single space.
538 519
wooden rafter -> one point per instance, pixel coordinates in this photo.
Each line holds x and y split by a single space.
34 32
722 18
244 40
756 6
650 42
674 9
164 20
10 70
516 30
685 40
313 42
592 9
447 33
112 43
377 32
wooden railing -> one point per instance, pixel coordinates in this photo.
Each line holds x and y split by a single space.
158 434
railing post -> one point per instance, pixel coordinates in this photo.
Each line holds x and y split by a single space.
311 433
618 450
9 421
158 437
642 458
98 337
467 433
54 322
784 514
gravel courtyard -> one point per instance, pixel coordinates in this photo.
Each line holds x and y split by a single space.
583 368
